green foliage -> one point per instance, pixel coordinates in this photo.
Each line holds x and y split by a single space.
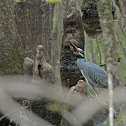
12 62
106 122
121 44
17 1
53 1
122 68
122 118
55 107
86 3
64 122
122 39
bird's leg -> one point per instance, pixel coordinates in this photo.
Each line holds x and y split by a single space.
95 92
89 85
93 89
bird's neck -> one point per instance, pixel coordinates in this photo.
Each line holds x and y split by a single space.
83 59
80 63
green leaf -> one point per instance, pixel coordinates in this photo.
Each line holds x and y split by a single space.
54 107
17 1
53 1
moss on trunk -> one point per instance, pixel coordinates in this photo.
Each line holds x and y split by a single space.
11 53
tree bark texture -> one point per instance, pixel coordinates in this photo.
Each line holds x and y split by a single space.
56 43
39 24
111 56
104 9
42 69
28 67
73 32
122 4
120 44
11 51
34 22
90 18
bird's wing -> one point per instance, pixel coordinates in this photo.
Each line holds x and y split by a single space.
97 75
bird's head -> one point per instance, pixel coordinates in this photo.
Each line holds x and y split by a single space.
76 51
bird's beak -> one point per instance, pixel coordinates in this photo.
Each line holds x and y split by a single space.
73 48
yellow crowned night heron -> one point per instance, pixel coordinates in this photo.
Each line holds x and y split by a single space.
94 74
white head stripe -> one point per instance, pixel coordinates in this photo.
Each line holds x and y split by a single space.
80 49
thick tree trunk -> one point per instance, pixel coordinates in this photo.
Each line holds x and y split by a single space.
73 32
56 43
34 19
11 53
104 9
122 4
90 18
111 56
39 24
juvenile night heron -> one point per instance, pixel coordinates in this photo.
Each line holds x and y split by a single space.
94 74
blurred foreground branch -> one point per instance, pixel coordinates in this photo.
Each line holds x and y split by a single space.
85 108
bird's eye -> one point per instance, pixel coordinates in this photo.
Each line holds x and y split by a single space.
71 48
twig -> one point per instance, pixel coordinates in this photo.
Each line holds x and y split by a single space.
12 112
89 85
110 85
93 90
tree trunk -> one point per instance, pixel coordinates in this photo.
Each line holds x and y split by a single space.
111 56
104 10
39 24
57 41
34 20
73 32
11 52
122 4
